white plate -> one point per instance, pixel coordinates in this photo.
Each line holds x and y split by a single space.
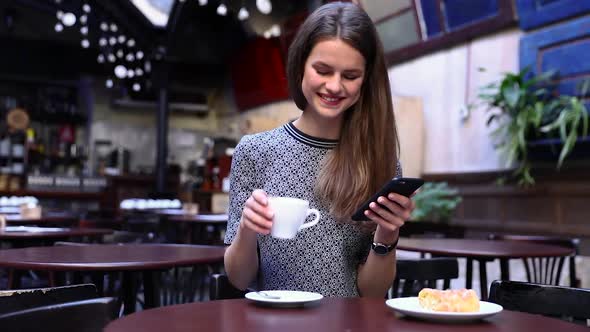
285 298
411 307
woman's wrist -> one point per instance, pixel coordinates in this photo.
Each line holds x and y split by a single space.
385 236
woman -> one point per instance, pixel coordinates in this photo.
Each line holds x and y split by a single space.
340 151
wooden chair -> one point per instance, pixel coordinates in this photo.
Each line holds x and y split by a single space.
17 300
79 316
568 303
415 274
221 289
543 270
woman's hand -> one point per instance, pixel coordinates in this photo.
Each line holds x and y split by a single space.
257 215
397 211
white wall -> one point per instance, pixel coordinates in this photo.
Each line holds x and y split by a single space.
446 81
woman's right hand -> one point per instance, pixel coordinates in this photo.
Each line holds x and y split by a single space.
257 215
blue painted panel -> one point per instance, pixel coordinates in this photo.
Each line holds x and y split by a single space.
430 13
564 47
537 13
570 58
464 12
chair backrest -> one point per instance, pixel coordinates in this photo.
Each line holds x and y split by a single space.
568 303
414 274
546 270
221 289
78 316
17 300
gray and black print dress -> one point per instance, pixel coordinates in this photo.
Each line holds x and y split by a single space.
323 258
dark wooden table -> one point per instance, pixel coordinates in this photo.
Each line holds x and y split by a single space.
20 236
132 258
482 251
332 314
57 219
196 226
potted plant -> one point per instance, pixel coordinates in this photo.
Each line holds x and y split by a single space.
435 204
525 109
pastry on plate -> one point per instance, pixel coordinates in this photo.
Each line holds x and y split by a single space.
450 300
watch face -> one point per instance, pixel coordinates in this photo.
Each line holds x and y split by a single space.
380 249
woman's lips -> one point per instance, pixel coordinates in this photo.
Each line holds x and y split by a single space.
330 100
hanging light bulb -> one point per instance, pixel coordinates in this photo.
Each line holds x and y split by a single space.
136 87
111 57
86 8
68 19
243 14
122 39
112 41
114 27
202 2
120 54
84 30
103 42
130 73
100 58
59 14
85 43
104 26
139 55
83 19
131 42
120 71
222 9
138 72
264 6
109 83
130 57
59 27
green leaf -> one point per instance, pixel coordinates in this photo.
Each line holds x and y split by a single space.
512 94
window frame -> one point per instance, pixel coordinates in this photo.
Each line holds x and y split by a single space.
506 17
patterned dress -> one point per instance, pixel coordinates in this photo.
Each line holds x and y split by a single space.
323 258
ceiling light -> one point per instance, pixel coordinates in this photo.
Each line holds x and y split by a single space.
111 57
139 55
102 42
114 27
83 19
275 30
59 14
120 71
131 42
222 10
100 58
147 66
120 53
130 57
104 26
130 73
136 87
68 19
85 43
112 41
86 8
109 83
243 14
267 34
138 72
122 39
59 27
84 30
203 2
264 6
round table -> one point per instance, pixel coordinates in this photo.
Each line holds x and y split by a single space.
331 314
60 219
144 258
482 251
197 226
22 236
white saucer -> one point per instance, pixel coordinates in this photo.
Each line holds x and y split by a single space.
411 307
285 298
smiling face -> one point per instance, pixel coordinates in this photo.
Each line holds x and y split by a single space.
332 78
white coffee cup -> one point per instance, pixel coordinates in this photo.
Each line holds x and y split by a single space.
289 216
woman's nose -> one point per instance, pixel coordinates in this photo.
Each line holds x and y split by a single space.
334 84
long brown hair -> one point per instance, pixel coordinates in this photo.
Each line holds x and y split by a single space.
367 154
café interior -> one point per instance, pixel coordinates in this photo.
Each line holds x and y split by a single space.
119 120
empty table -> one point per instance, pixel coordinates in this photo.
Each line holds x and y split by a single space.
482 251
131 258
197 226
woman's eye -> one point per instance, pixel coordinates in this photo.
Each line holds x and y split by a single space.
352 78
323 73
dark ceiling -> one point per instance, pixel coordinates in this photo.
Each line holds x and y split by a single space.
197 44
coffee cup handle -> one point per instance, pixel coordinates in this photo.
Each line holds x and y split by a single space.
314 221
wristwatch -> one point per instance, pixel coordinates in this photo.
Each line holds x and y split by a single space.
383 249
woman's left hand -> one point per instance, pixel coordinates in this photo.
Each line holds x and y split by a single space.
397 211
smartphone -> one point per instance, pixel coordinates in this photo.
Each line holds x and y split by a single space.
402 186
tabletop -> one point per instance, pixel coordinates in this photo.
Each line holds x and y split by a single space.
200 218
331 314
100 257
30 233
482 248
49 218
